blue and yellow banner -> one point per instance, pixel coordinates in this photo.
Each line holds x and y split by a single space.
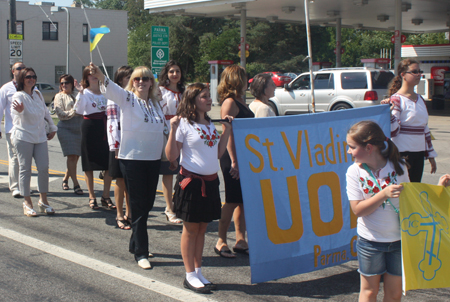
424 214
96 34
292 173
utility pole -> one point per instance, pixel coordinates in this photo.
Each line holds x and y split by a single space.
12 16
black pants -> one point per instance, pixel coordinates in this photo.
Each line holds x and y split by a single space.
141 180
416 162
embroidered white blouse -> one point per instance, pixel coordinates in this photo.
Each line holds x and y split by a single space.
409 125
170 101
29 125
142 125
113 125
199 153
64 106
382 225
89 103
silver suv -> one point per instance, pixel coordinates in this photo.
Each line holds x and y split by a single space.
334 89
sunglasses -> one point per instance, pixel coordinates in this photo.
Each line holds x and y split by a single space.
31 77
65 83
415 72
144 79
19 68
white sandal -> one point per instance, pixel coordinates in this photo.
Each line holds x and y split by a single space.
43 208
27 211
171 217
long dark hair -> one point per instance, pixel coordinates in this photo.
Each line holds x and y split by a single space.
368 132
69 79
396 82
164 76
21 79
187 108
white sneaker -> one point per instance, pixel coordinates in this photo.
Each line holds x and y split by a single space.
16 193
144 263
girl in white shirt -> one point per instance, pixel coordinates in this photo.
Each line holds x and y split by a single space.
197 196
141 142
409 120
373 188
29 138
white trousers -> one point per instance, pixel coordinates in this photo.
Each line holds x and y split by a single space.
25 153
13 169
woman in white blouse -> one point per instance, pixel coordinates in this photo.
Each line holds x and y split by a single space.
409 120
142 125
29 138
94 143
69 130
263 88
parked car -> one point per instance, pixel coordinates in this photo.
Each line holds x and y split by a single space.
278 78
48 92
334 89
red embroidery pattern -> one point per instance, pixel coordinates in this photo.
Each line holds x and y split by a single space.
209 139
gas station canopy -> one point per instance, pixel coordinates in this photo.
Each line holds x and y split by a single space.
418 16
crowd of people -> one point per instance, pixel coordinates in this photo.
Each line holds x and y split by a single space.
135 129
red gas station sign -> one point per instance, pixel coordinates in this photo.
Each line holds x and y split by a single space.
402 39
437 73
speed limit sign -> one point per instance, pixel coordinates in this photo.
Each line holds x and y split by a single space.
15 51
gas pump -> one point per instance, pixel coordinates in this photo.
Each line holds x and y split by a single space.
216 68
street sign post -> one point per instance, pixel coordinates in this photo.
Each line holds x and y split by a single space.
15 51
160 47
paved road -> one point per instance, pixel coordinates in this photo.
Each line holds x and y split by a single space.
80 254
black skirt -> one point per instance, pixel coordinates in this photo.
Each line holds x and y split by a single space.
94 145
113 167
233 192
191 206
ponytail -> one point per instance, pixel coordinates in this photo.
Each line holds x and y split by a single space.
395 85
391 152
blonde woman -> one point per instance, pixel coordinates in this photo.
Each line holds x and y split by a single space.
142 125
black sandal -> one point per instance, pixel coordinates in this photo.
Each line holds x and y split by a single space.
65 185
107 203
123 224
93 204
77 190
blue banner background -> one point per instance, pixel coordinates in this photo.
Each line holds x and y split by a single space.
324 233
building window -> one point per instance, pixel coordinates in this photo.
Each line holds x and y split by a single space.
50 31
19 28
59 71
85 33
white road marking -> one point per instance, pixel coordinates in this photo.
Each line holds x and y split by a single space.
105 268
33 182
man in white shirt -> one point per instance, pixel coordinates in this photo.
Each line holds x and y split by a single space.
6 93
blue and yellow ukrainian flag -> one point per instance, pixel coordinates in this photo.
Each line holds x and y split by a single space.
424 221
96 34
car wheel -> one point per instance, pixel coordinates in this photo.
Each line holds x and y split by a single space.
341 106
51 108
274 108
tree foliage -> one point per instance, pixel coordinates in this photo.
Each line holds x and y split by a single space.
273 46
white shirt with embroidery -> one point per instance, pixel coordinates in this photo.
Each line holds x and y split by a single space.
409 125
90 103
199 153
141 125
113 125
170 100
383 224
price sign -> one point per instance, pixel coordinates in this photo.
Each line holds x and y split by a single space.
15 51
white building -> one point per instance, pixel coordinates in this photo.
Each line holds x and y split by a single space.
45 45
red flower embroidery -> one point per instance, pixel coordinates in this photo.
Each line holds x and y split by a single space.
207 137
361 179
210 143
370 183
388 180
384 186
376 190
393 173
204 132
366 191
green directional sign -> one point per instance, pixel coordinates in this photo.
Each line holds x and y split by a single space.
160 47
160 36
160 56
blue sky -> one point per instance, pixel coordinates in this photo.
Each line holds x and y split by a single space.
57 2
